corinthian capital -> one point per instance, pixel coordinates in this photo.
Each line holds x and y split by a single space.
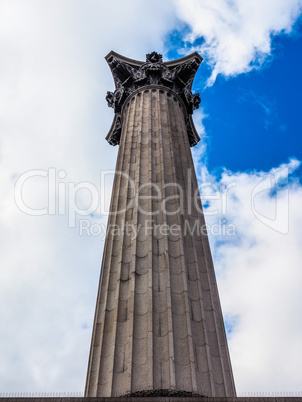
130 75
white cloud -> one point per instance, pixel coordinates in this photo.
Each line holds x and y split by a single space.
260 280
238 33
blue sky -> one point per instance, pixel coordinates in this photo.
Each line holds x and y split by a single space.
258 111
54 117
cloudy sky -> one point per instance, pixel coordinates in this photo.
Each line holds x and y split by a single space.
53 123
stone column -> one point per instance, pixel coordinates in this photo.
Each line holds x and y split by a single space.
158 322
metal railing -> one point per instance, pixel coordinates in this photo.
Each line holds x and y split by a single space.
41 394
270 394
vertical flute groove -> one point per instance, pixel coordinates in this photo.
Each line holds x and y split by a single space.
91 387
158 322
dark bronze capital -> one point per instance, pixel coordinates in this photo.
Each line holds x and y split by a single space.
130 75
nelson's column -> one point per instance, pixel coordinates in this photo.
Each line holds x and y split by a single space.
158 326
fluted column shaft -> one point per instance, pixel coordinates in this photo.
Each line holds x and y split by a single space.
158 322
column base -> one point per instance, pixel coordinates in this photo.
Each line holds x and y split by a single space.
162 393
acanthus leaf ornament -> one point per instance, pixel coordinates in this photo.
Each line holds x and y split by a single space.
129 75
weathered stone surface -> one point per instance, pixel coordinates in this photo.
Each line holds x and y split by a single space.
158 322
